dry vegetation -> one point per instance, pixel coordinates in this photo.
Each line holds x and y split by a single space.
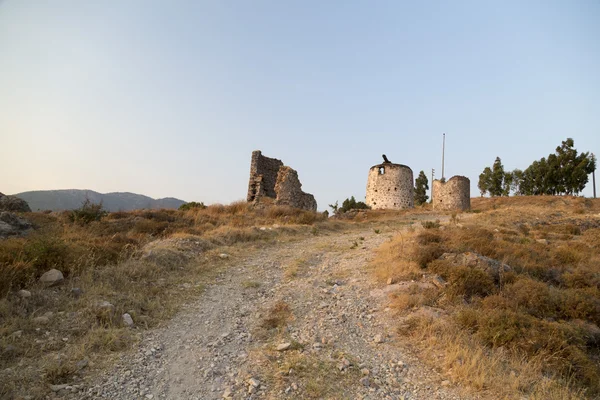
145 263
523 321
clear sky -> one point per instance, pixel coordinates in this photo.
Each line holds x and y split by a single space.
169 98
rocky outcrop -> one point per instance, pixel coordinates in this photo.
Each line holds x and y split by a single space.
492 267
11 224
13 204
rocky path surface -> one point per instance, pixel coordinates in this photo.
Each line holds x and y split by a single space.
336 323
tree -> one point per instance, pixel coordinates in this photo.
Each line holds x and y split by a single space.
497 178
421 187
563 172
507 183
485 181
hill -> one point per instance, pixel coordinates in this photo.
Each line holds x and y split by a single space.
57 200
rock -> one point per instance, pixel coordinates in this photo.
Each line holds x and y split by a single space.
446 383
76 292
24 294
284 346
223 256
227 394
542 241
127 320
82 364
56 388
253 382
438 281
391 281
13 203
16 334
104 309
378 338
11 224
365 372
474 260
52 278
41 320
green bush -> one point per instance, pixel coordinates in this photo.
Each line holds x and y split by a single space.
191 206
347 205
87 213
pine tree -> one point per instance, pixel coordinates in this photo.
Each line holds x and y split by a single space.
497 178
421 187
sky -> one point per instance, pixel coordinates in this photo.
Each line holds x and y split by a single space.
170 98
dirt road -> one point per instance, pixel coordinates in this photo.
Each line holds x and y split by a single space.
303 319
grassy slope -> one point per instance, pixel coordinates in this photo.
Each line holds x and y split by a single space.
531 330
145 263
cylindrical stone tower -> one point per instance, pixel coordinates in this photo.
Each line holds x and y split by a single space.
454 194
390 186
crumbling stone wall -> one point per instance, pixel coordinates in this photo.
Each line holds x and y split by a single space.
289 191
390 186
263 176
454 194
270 178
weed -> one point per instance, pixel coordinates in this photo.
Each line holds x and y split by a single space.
431 224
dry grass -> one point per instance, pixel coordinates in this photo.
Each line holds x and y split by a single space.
530 331
145 263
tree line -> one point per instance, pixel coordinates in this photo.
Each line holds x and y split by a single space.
563 172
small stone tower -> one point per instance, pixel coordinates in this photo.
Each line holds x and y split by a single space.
454 194
390 186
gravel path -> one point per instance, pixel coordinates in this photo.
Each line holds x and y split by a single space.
215 347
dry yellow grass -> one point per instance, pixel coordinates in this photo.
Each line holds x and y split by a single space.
529 331
145 263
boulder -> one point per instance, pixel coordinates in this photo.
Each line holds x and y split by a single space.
52 278
11 224
14 204
492 267
127 320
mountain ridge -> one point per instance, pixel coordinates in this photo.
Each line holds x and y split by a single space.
69 199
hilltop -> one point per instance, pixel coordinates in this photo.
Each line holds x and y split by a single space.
238 301
69 199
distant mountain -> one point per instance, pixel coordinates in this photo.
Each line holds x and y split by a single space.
57 200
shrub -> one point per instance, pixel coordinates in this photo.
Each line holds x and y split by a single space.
431 224
469 282
423 255
349 204
192 205
88 212
427 237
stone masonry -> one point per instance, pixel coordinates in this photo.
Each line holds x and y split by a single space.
454 194
263 176
289 191
270 178
390 186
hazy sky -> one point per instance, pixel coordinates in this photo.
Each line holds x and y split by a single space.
169 98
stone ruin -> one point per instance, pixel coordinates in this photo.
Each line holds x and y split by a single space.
454 194
269 178
390 186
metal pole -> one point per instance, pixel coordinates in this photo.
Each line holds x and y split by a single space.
443 151
594 174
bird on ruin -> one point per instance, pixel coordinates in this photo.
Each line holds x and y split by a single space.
385 159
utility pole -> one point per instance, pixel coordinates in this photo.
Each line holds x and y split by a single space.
594 174
443 151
